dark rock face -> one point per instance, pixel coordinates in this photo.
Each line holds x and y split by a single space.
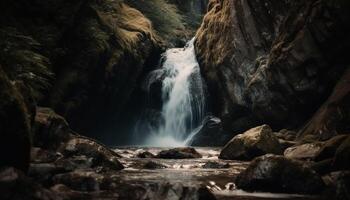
97 52
179 153
14 126
277 60
272 173
333 117
254 142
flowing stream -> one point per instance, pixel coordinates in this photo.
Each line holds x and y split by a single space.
183 98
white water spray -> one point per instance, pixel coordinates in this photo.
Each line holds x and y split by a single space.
183 98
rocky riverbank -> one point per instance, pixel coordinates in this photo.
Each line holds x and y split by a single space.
65 165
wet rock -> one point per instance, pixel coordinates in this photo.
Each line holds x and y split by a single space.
211 134
252 143
179 153
145 154
39 155
51 129
15 185
153 165
215 165
342 156
81 180
303 152
329 148
272 173
101 155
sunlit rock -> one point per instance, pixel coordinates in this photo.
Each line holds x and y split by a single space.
252 143
304 151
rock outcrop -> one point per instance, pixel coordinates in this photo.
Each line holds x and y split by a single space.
274 61
254 142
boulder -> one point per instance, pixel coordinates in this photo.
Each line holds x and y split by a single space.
329 147
252 143
303 152
179 153
215 165
273 173
342 156
101 155
153 165
145 154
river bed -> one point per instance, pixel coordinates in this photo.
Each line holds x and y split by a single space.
209 171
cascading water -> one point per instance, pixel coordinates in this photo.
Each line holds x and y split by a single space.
183 98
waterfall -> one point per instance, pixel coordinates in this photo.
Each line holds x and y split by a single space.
183 97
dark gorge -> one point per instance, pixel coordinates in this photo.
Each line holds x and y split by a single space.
174 99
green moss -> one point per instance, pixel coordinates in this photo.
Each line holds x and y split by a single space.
165 17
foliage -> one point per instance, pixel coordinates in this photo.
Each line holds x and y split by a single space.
22 61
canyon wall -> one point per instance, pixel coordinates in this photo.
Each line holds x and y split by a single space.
272 61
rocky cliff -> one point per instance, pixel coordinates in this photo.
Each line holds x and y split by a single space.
272 61
83 58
